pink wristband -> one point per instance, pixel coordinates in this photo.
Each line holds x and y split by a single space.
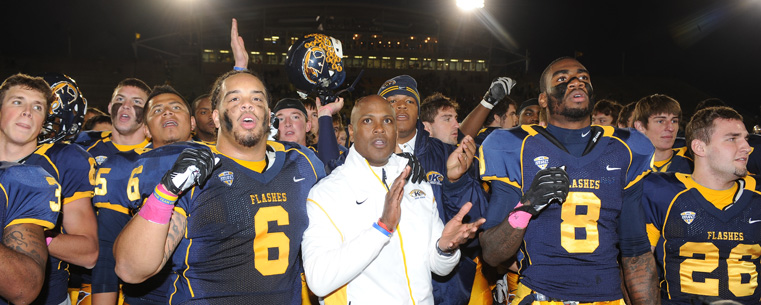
155 210
48 240
519 219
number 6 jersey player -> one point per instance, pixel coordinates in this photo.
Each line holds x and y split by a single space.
234 237
570 249
706 227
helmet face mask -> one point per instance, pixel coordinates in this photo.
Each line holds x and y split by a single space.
66 113
314 63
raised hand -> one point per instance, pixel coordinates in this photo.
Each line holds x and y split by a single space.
456 233
238 47
417 173
193 166
499 88
330 108
460 159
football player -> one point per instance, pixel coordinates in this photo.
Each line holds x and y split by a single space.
119 193
25 104
236 228
29 204
657 116
704 226
569 251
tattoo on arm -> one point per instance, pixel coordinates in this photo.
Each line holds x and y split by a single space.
501 242
641 279
27 239
174 236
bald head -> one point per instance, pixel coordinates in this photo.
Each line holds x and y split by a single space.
374 124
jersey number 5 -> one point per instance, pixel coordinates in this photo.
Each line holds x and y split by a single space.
739 263
574 218
265 240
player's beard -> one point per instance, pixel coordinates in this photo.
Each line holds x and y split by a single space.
244 138
556 98
741 172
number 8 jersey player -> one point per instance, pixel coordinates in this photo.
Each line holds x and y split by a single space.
570 249
706 227
233 238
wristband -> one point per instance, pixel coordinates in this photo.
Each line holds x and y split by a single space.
519 219
163 195
385 227
486 104
442 252
381 229
156 209
48 240
236 68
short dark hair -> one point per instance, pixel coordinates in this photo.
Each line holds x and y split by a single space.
96 110
709 102
543 87
655 104
500 109
198 101
608 107
309 103
100 118
217 87
701 125
626 112
163 89
432 104
28 82
134 82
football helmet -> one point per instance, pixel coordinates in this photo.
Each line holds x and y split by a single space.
314 63
66 113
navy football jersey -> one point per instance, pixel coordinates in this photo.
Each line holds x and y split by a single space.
244 228
74 169
679 162
702 250
100 146
570 250
29 195
129 178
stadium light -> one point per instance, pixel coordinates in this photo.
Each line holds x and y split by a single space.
469 5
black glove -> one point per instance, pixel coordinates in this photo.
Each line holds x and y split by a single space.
500 87
417 173
193 166
549 186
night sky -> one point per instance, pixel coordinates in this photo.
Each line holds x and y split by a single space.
710 45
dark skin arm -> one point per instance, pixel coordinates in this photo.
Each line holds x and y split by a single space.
475 119
500 243
641 279
24 254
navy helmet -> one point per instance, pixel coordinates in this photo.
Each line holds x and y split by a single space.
66 113
314 63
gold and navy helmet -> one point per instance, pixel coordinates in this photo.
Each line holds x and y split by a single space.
66 113
315 63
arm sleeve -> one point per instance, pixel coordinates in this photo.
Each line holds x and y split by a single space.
32 197
110 223
440 264
327 144
77 171
631 227
329 261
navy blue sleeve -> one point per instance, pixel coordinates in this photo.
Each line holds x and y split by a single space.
466 189
631 223
110 223
504 197
327 145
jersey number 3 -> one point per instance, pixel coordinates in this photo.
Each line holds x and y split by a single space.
265 240
575 219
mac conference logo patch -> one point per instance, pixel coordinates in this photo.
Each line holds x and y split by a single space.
542 162
434 178
688 216
100 159
227 177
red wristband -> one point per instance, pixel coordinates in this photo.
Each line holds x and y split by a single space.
384 226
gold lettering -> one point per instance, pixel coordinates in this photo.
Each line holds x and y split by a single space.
741 236
710 235
253 199
597 184
284 198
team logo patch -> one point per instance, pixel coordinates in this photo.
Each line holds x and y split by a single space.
542 162
389 83
434 178
417 194
100 159
688 216
227 177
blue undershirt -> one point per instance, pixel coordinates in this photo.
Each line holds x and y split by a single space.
574 140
